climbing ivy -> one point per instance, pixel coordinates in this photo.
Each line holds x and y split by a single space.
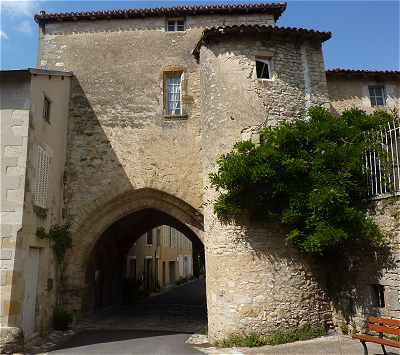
60 239
308 175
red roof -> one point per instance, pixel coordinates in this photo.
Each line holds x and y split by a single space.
275 9
294 32
353 73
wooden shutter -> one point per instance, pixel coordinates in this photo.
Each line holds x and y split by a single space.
42 177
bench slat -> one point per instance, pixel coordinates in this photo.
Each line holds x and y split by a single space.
376 340
384 329
385 321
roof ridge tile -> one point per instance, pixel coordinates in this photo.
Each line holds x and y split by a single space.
274 8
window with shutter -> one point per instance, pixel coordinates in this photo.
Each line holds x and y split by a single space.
42 178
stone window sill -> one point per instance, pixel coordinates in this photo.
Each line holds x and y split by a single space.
176 117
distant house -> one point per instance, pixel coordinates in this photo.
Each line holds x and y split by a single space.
159 258
367 90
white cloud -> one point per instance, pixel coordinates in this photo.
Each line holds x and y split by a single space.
19 8
24 26
3 35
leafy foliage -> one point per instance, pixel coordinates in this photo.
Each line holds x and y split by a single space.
59 237
308 175
278 337
60 241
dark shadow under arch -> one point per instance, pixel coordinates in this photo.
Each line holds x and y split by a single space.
109 253
101 218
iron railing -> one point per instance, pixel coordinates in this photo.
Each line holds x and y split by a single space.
383 180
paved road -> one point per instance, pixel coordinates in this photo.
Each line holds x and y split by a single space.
158 325
192 293
127 342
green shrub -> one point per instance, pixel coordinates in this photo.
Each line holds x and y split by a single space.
59 237
62 319
276 338
204 330
353 328
307 174
344 328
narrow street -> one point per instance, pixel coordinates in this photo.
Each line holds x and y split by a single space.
127 342
158 325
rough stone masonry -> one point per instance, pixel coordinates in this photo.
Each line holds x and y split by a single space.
120 141
125 154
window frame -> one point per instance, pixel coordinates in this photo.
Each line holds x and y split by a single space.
265 60
176 26
168 75
374 97
46 108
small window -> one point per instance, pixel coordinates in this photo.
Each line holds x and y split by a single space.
173 94
175 25
46 109
377 95
149 238
263 69
378 296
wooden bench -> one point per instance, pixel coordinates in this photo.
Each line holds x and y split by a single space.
380 326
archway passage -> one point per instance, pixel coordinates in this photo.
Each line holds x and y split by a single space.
173 284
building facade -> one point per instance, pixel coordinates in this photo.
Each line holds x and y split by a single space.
160 258
373 283
364 89
156 96
34 115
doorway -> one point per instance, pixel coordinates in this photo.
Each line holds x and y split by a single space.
172 271
31 286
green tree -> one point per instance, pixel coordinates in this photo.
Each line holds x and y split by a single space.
308 175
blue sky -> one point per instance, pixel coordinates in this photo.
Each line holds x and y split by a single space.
365 33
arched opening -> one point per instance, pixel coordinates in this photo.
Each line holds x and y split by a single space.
161 264
97 266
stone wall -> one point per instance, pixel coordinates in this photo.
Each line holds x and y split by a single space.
269 285
15 102
355 276
386 213
119 140
51 136
365 269
23 129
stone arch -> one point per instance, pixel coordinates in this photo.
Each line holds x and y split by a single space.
87 234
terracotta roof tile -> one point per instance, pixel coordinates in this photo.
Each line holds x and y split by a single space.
215 32
275 9
360 73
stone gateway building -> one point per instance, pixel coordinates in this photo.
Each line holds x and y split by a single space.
135 108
